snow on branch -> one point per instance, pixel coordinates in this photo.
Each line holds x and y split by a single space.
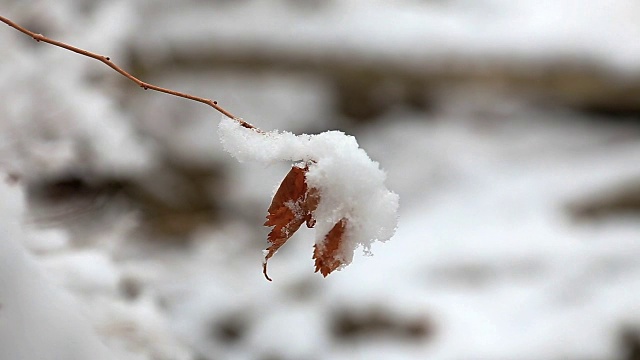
334 186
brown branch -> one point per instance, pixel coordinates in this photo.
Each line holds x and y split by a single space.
107 61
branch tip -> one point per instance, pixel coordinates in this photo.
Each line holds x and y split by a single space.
107 61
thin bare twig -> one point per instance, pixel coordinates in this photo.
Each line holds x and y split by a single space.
107 61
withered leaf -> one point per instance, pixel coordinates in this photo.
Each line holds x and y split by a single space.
292 205
326 254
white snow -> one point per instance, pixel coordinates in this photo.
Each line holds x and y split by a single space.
38 321
485 253
351 185
68 128
416 34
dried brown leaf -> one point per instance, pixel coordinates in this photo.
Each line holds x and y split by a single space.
288 210
326 254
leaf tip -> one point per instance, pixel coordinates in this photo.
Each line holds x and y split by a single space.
326 255
264 270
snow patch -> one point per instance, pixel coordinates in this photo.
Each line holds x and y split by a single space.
350 184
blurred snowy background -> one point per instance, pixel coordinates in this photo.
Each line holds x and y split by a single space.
509 129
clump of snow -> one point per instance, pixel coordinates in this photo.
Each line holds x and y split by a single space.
350 184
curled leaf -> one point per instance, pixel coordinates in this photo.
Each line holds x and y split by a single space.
327 253
291 206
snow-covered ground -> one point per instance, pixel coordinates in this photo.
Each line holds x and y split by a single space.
412 33
489 261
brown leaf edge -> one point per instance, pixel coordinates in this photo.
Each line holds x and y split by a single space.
293 204
326 254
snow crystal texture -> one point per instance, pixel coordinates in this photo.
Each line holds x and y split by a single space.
350 184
